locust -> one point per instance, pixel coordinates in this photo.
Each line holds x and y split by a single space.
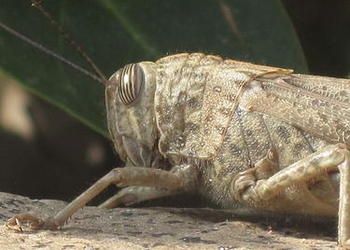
237 133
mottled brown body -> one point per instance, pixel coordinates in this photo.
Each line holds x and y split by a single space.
202 120
237 133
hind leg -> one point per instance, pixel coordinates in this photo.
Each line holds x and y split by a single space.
275 193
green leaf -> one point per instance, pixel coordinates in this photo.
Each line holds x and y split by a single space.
115 33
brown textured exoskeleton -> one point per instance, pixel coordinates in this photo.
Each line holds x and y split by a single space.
240 134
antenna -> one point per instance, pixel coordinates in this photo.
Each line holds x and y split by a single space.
51 53
98 76
68 38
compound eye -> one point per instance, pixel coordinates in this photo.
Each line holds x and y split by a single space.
130 82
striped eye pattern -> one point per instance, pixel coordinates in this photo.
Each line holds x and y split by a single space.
130 82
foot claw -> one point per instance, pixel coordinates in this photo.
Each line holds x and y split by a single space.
20 221
24 220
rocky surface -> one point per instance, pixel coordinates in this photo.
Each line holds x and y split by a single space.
164 228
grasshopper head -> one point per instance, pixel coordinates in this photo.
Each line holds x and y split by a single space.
130 113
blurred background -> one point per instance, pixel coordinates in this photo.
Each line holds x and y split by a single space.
46 153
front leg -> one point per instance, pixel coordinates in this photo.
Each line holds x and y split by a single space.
183 179
273 193
135 194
